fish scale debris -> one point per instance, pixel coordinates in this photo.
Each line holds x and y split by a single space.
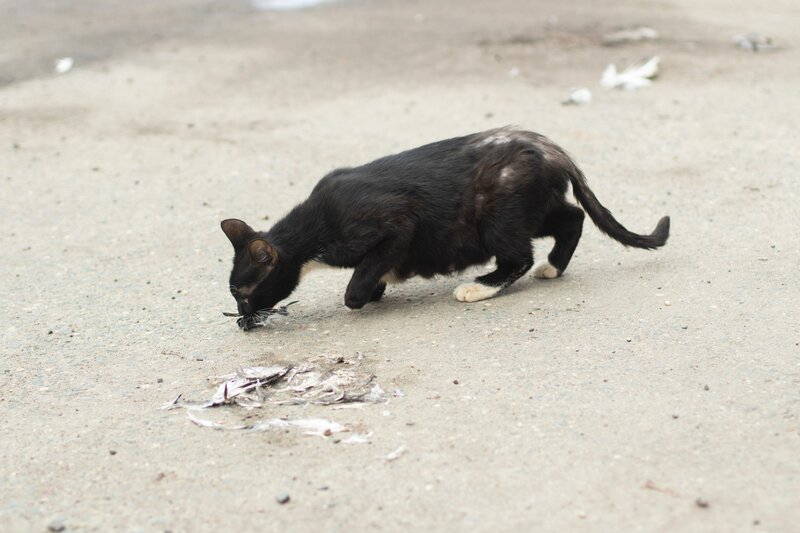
323 383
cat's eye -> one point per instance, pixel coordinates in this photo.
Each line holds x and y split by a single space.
234 290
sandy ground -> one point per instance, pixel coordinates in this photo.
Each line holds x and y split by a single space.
677 370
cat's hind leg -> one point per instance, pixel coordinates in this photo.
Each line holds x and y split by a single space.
565 224
510 267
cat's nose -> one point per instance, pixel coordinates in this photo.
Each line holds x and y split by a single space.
241 308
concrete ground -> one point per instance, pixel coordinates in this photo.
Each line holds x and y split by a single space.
642 391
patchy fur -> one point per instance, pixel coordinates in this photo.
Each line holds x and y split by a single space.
436 209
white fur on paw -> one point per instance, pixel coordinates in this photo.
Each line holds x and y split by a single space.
474 292
545 270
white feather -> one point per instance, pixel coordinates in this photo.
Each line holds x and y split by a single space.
633 77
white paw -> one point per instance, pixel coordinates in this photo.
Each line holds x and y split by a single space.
473 292
544 270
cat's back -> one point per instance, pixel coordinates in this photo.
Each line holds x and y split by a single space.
439 162
438 173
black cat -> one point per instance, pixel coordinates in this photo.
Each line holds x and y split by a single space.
436 209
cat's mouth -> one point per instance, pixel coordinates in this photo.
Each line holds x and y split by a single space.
260 318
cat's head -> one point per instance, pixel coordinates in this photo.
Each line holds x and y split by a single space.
257 278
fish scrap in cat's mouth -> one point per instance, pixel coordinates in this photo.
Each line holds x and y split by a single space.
259 318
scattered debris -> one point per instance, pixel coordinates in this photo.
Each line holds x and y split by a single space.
357 438
333 387
63 65
202 422
283 498
56 526
701 503
260 318
236 388
754 42
327 382
359 406
173 404
652 486
578 96
246 380
396 454
313 426
633 77
627 35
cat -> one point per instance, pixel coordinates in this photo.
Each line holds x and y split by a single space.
436 209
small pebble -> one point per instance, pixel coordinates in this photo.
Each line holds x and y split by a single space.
282 498
160 380
706 387
112 452
455 382
56 525
628 339
675 417
701 503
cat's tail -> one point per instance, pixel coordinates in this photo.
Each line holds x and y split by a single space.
606 222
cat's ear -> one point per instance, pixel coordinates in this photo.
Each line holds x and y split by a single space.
237 231
263 252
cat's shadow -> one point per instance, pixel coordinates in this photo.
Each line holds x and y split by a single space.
409 299
433 297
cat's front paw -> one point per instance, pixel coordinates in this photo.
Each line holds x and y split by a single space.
377 294
474 292
358 295
544 270
354 302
